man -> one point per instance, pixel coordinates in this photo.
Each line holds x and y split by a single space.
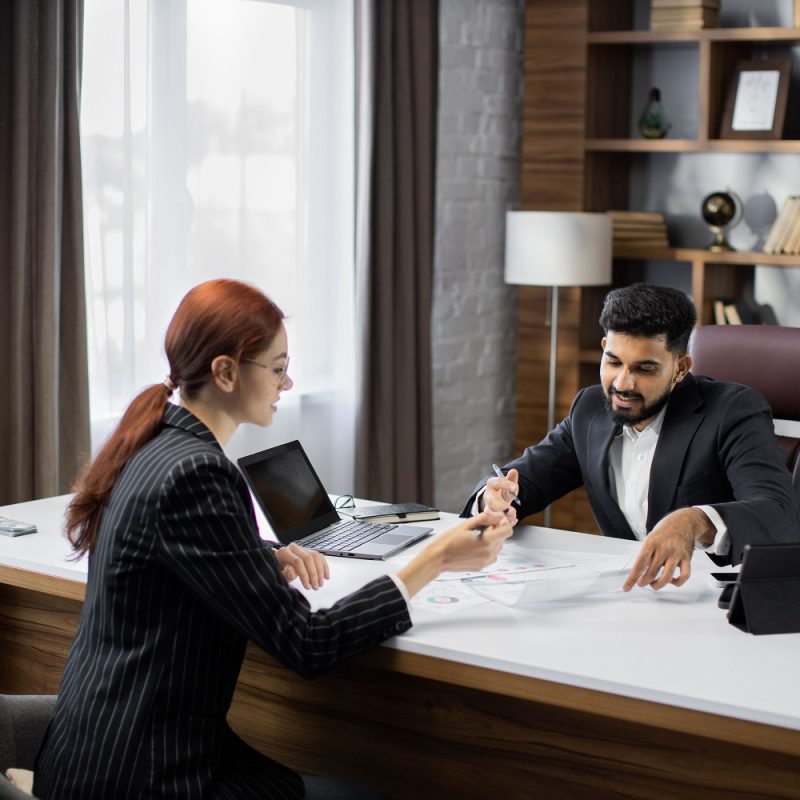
672 459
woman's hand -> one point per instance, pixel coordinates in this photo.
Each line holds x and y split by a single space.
299 562
462 547
465 549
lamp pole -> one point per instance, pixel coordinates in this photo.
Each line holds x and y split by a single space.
554 249
551 388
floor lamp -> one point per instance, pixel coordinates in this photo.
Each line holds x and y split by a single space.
557 248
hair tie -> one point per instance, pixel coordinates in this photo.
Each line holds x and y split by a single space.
170 386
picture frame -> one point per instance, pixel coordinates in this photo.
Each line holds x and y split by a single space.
755 107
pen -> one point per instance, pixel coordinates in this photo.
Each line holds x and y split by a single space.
499 473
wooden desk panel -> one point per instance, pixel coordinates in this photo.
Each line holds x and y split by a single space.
419 727
411 736
36 632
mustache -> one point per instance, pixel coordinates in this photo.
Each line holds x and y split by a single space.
625 395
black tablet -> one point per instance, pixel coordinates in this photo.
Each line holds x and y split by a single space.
770 561
766 598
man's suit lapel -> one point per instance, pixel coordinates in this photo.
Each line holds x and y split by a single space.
601 434
682 418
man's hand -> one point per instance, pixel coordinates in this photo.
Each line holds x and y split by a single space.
498 495
668 547
299 562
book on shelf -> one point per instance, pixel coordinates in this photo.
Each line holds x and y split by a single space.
396 512
634 216
732 314
684 3
792 242
669 26
793 213
684 16
638 233
639 228
719 312
780 233
683 12
743 312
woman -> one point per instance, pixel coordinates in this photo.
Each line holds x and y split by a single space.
179 579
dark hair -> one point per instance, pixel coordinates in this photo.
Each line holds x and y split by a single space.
219 317
646 310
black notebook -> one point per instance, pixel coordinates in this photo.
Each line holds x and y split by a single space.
397 512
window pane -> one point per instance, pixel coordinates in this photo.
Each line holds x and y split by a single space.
217 142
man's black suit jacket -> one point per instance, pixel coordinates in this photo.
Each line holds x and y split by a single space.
179 581
717 447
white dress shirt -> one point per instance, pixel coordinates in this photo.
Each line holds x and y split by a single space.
630 458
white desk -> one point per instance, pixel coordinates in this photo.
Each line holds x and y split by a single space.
650 681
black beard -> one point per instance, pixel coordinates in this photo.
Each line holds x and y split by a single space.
647 412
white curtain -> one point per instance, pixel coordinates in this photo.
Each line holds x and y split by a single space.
218 140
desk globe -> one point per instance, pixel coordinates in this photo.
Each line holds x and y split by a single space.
721 211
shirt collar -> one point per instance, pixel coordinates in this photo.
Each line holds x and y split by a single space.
179 417
653 429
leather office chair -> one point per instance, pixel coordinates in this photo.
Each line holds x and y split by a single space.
766 357
23 721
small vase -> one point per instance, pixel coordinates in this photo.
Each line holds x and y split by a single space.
653 123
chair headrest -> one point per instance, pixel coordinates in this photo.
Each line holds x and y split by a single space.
766 357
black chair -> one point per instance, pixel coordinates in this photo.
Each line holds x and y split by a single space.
23 721
765 357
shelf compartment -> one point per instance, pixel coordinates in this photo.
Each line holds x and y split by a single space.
777 34
612 145
700 255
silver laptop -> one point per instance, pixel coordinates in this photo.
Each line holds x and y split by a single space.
298 508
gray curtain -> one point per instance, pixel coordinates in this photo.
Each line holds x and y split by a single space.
394 459
44 403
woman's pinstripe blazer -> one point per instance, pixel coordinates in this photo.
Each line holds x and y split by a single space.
178 582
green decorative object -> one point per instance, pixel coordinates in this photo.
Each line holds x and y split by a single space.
722 211
653 123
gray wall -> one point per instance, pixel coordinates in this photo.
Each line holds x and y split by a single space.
474 312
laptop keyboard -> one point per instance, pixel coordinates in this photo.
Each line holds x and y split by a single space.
346 535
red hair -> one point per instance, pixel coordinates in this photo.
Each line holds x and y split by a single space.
219 317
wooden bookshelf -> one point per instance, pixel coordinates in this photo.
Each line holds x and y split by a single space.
577 149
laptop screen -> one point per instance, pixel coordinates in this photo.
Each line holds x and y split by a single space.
288 490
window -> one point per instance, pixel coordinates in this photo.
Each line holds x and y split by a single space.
217 141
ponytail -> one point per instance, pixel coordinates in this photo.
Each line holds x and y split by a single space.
139 424
217 317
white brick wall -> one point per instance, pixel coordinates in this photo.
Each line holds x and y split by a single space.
474 312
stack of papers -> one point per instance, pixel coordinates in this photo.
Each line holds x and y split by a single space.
522 577
604 575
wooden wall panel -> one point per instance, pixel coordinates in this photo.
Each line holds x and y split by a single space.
554 105
553 179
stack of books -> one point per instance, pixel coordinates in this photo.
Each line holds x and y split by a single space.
743 312
639 228
784 235
683 14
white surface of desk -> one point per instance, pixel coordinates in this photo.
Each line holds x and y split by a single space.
47 551
671 647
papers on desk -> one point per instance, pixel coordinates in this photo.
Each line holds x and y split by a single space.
522 577
600 575
451 592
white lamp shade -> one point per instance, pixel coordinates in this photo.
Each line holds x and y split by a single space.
558 248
